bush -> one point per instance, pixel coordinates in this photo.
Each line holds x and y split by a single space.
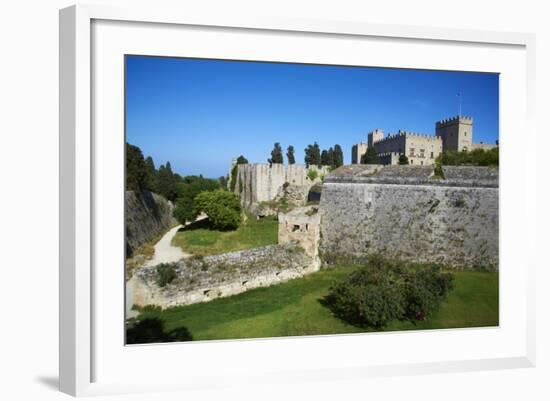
312 174
166 273
403 159
222 207
381 292
424 292
476 157
370 297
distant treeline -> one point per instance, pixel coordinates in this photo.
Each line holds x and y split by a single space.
141 175
332 156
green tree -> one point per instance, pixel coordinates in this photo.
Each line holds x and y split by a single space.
327 157
242 160
167 182
276 154
338 158
150 175
312 155
187 190
223 181
290 155
324 158
403 159
370 157
135 169
223 208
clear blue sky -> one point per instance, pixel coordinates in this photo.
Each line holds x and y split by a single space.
199 114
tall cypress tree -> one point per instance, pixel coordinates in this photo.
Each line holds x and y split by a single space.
290 155
167 182
316 155
324 158
242 160
150 175
312 155
276 154
135 169
338 159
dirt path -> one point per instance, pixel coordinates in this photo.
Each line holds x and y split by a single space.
165 252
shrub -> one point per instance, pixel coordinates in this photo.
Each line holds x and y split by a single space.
403 159
370 297
222 207
424 291
476 157
166 273
312 174
381 292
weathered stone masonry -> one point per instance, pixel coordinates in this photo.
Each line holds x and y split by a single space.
262 182
211 277
148 215
406 213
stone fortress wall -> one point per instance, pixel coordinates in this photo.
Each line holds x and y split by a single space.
403 212
261 182
400 212
421 149
217 276
147 215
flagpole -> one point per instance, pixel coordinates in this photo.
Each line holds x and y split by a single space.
459 104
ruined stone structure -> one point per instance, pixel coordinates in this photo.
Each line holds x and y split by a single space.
421 149
211 277
202 279
301 226
261 182
406 213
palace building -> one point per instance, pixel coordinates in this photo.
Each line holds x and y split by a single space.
454 133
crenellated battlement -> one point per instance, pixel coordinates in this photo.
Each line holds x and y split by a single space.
418 135
401 133
389 138
455 120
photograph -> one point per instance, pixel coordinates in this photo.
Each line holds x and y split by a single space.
273 199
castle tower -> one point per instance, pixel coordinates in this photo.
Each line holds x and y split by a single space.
375 136
456 133
357 151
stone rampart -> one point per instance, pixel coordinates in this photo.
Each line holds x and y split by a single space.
211 277
261 182
148 215
404 212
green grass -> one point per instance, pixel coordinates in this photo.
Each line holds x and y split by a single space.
199 239
293 309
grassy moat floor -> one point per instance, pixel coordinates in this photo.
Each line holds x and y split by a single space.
199 239
294 309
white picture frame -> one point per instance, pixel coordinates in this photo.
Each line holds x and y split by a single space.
80 345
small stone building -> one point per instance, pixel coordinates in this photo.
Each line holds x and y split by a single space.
301 226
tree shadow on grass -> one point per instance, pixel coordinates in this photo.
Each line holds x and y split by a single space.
204 223
151 330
